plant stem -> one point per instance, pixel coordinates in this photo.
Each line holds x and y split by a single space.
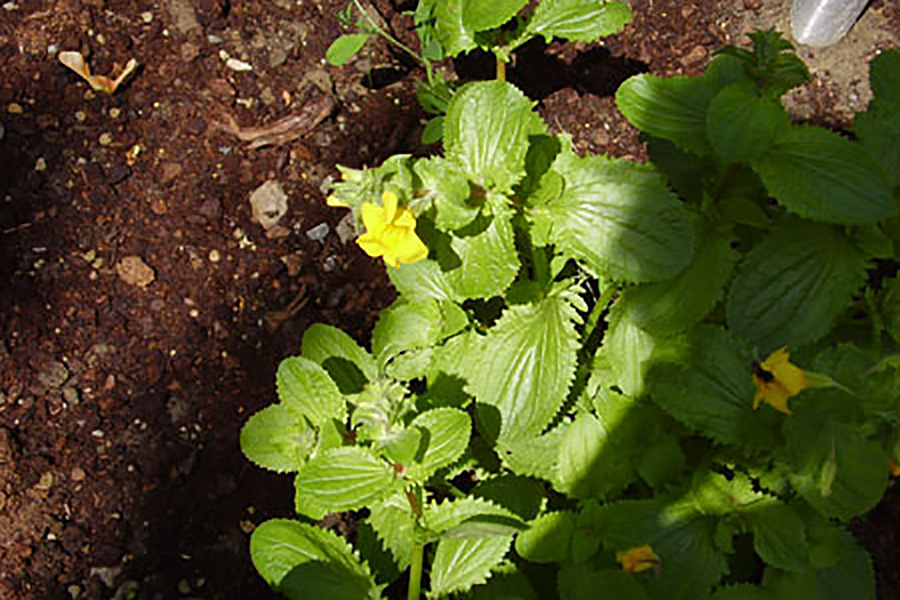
594 318
415 572
394 40
501 69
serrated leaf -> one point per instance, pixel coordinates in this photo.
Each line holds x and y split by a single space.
487 262
349 365
619 218
481 16
460 564
535 456
884 78
344 479
344 48
307 388
525 365
548 539
590 463
671 108
294 557
578 20
835 468
406 325
706 383
661 462
277 438
779 534
680 303
394 523
741 125
820 175
423 279
793 285
445 435
506 583
445 183
486 133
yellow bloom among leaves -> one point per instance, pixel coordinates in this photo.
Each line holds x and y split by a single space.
391 232
776 380
635 560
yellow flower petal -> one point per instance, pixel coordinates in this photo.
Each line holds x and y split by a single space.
333 201
635 560
373 218
895 469
776 380
389 201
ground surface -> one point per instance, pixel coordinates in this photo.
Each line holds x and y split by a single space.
143 312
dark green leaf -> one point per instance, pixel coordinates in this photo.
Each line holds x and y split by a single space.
790 288
480 16
820 175
742 125
548 539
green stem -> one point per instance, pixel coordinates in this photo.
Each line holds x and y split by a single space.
394 40
415 572
594 318
501 69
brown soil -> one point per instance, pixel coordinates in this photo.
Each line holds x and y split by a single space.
144 312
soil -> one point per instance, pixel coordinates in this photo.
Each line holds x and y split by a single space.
145 310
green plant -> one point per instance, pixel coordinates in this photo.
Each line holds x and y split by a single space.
565 397
448 28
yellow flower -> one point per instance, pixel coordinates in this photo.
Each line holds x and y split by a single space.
776 380
390 232
333 201
895 469
635 560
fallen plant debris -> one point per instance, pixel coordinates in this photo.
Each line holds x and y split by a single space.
101 83
283 130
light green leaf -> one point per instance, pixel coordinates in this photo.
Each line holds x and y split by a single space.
671 108
820 175
293 556
343 479
460 563
277 438
793 285
779 534
394 523
401 447
591 463
406 325
486 133
680 303
626 352
486 263
741 125
706 383
445 183
525 365
835 468
423 279
481 16
619 218
344 48
535 456
445 435
349 365
548 539
578 20
450 27
307 388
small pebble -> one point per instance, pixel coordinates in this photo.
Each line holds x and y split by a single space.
318 233
15 108
115 112
147 17
40 164
105 139
214 39
10 6
52 49
238 65
214 256
78 474
80 116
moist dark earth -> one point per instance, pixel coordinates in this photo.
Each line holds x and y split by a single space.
143 311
